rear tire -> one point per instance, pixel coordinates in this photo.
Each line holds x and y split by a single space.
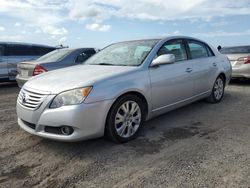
125 119
218 91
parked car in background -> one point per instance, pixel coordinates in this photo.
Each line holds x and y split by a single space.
56 59
239 57
120 87
12 53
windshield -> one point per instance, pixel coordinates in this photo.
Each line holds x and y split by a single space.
54 56
131 53
235 50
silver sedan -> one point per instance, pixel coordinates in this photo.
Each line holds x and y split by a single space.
239 57
57 59
120 87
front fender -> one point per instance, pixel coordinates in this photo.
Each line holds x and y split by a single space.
111 89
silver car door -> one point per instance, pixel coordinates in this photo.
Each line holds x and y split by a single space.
3 63
204 66
172 83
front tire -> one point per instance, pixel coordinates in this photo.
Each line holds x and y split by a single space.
125 119
218 91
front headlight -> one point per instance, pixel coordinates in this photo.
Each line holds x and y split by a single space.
71 97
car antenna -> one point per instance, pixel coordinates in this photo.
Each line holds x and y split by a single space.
60 46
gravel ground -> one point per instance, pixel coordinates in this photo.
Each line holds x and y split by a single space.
200 145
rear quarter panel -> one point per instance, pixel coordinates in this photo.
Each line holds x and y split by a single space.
225 67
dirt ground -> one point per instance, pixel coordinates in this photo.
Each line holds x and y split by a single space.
200 145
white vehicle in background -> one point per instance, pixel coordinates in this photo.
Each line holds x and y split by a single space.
239 57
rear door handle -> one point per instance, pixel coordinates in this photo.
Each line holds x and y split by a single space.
188 70
215 64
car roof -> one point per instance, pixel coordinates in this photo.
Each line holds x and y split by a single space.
163 38
28 44
166 38
75 49
88 48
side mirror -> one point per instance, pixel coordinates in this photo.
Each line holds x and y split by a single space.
163 59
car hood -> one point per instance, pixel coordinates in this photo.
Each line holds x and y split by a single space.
64 79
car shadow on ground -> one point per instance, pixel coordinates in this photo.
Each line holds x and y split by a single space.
8 85
240 82
166 128
8 88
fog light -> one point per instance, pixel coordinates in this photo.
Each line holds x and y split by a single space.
66 130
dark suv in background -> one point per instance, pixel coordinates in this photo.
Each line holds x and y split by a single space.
13 53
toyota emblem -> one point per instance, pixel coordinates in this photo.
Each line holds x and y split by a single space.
24 98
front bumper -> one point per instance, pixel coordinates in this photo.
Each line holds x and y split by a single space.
87 120
242 71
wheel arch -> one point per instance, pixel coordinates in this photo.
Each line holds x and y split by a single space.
223 76
136 93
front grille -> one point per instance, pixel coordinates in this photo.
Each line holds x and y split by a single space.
31 100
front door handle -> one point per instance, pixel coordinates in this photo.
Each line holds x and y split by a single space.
188 70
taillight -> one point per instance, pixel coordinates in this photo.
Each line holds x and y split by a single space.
246 60
38 70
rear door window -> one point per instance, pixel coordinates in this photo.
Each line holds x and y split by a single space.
89 53
85 55
197 49
210 52
20 50
81 58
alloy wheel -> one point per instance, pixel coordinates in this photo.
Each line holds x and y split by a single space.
128 119
218 89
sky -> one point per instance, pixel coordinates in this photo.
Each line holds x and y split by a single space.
97 23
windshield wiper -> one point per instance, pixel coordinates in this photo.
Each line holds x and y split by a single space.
110 64
104 64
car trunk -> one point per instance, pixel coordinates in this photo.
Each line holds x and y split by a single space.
26 69
234 58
